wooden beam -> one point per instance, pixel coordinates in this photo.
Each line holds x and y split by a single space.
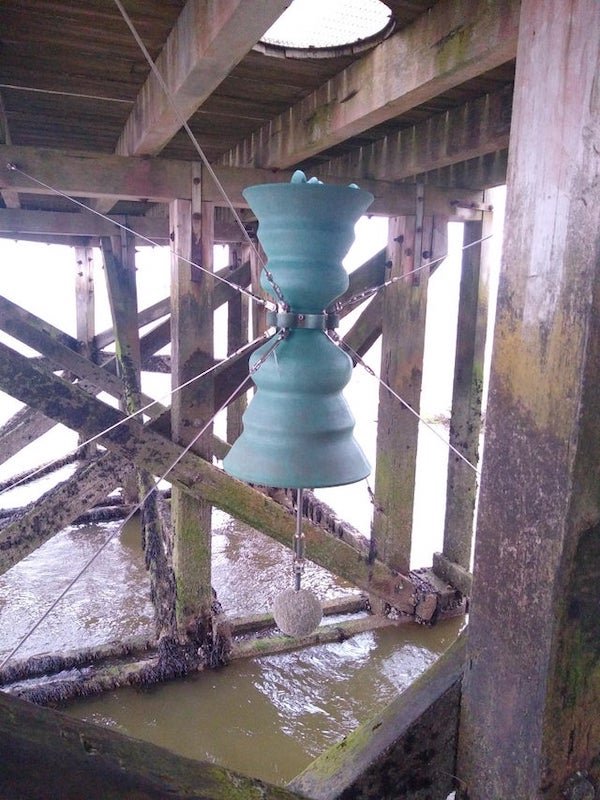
59 507
48 754
467 395
82 174
208 40
404 313
20 222
62 351
410 745
22 378
534 663
21 429
457 40
10 197
192 339
478 127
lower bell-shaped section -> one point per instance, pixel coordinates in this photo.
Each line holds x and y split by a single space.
298 428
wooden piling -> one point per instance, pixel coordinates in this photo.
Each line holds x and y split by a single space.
402 369
193 406
454 563
529 721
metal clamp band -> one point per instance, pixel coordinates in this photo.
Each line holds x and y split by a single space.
288 319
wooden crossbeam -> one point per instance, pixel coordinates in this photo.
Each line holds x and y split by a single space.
86 174
20 430
70 405
61 350
457 40
63 754
59 507
59 226
208 40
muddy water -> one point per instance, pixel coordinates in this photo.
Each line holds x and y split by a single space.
267 717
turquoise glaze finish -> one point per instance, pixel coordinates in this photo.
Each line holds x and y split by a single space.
298 429
306 229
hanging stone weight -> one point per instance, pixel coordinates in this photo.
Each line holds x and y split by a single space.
298 428
297 612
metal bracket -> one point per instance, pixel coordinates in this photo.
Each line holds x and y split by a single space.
288 319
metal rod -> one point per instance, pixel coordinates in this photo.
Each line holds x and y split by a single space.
298 542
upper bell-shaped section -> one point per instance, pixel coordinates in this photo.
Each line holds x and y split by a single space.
298 429
306 228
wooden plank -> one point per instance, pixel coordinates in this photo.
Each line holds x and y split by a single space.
407 751
82 174
402 369
20 222
35 740
87 174
206 43
455 41
122 293
10 198
465 418
60 506
85 312
478 127
367 328
62 351
154 312
237 335
70 405
534 668
24 427
192 407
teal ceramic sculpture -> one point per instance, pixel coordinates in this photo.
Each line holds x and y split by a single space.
298 428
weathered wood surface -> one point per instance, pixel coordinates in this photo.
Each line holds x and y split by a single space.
88 174
238 312
60 224
348 604
52 663
338 632
63 352
207 41
529 713
47 754
151 314
122 292
21 429
465 418
193 406
406 752
452 43
70 405
59 507
404 311
478 127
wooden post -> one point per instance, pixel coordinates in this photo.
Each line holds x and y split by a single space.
192 407
237 335
530 726
454 563
120 276
402 369
85 310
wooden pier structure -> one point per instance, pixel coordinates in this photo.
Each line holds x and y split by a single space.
454 98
